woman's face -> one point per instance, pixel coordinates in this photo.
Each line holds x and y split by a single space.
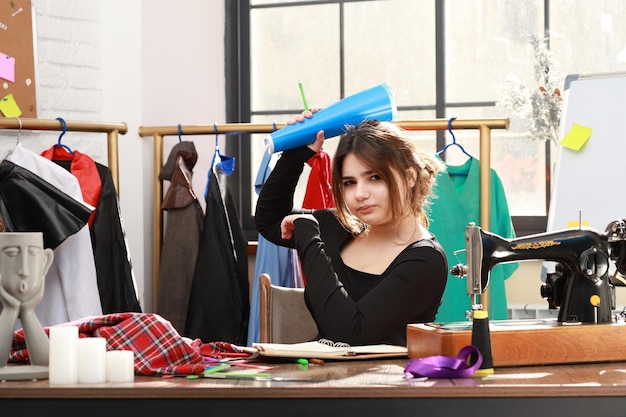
365 193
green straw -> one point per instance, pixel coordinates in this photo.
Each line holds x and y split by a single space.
306 106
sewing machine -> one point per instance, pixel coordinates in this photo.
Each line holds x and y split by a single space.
582 287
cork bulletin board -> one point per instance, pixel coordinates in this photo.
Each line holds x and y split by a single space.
17 60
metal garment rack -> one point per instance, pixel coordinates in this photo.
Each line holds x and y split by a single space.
484 127
113 130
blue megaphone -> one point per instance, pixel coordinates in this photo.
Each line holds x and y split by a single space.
375 103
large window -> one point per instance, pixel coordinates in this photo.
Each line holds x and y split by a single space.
441 58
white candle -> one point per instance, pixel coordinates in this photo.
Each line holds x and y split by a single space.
63 359
92 360
120 366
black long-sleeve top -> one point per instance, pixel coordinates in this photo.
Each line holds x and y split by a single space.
349 305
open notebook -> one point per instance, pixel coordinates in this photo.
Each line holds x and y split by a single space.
325 349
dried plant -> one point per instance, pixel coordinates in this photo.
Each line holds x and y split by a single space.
538 105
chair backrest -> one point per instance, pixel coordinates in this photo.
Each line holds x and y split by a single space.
284 316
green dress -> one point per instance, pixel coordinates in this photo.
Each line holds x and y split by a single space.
455 203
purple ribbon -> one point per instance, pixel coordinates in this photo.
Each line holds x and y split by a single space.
445 366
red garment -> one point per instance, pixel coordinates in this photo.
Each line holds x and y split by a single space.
159 349
319 194
83 167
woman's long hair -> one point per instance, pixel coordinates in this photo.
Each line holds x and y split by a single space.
386 150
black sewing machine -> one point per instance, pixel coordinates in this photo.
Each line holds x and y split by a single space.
581 287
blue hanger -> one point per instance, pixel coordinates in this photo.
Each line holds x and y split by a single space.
454 142
216 154
224 163
180 132
67 148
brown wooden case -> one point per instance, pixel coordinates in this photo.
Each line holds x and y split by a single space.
524 342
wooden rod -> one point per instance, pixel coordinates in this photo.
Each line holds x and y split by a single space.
112 157
210 129
205 129
485 194
442 124
157 220
111 129
56 125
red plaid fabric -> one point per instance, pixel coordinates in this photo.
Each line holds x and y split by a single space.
158 348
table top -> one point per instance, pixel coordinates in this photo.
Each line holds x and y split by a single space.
350 379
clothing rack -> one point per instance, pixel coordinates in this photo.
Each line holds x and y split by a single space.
484 127
113 130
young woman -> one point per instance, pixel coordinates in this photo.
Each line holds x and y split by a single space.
371 266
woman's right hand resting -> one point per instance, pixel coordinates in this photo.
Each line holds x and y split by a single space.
287 227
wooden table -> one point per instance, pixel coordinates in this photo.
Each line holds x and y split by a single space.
350 388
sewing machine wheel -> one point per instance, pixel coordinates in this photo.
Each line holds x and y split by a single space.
554 287
616 232
619 257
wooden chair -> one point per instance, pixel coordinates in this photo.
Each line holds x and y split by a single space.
284 317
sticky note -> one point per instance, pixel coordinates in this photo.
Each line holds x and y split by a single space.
577 137
7 67
575 224
9 107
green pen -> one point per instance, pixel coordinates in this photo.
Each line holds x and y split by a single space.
238 375
215 368
306 106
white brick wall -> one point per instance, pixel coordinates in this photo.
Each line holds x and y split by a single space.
68 47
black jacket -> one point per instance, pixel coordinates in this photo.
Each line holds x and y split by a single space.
219 303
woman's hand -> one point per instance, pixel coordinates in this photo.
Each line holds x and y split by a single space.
319 138
307 114
286 226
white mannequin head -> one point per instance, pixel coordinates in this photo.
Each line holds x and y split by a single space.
23 263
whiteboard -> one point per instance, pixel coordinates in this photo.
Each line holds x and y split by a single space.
590 184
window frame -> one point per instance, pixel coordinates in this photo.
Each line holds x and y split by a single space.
238 106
